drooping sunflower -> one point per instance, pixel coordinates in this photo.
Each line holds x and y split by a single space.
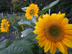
4 25
22 27
32 10
54 32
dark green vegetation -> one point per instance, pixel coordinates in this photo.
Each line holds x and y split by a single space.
9 6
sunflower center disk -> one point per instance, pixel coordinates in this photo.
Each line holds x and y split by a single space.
54 31
4 25
31 11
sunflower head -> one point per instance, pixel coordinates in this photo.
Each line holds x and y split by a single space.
4 25
32 10
54 32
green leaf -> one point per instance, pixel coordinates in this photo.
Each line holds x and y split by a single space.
7 43
16 26
46 8
3 44
31 37
27 31
18 47
24 22
33 20
24 9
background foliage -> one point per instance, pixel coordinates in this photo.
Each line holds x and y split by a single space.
10 6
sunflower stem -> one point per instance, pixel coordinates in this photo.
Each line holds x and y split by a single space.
18 34
14 35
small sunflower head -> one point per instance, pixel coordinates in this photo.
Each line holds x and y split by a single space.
32 10
4 25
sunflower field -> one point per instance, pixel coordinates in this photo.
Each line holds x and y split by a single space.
36 31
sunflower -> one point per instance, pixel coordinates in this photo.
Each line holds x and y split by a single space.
54 32
4 26
32 10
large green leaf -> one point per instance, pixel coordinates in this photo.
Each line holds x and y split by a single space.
27 31
46 8
18 47
3 44
31 37
28 22
24 22
33 20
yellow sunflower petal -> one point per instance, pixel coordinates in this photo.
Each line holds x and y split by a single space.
53 17
64 22
67 42
60 18
47 46
68 36
46 18
40 19
38 31
39 36
36 15
37 27
60 47
42 37
40 24
68 26
68 31
43 43
66 49
52 48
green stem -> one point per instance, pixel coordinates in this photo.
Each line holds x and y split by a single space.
15 36
18 34
14 32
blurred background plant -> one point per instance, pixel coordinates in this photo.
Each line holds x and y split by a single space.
10 6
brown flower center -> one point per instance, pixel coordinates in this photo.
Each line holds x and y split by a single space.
4 25
31 12
54 31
